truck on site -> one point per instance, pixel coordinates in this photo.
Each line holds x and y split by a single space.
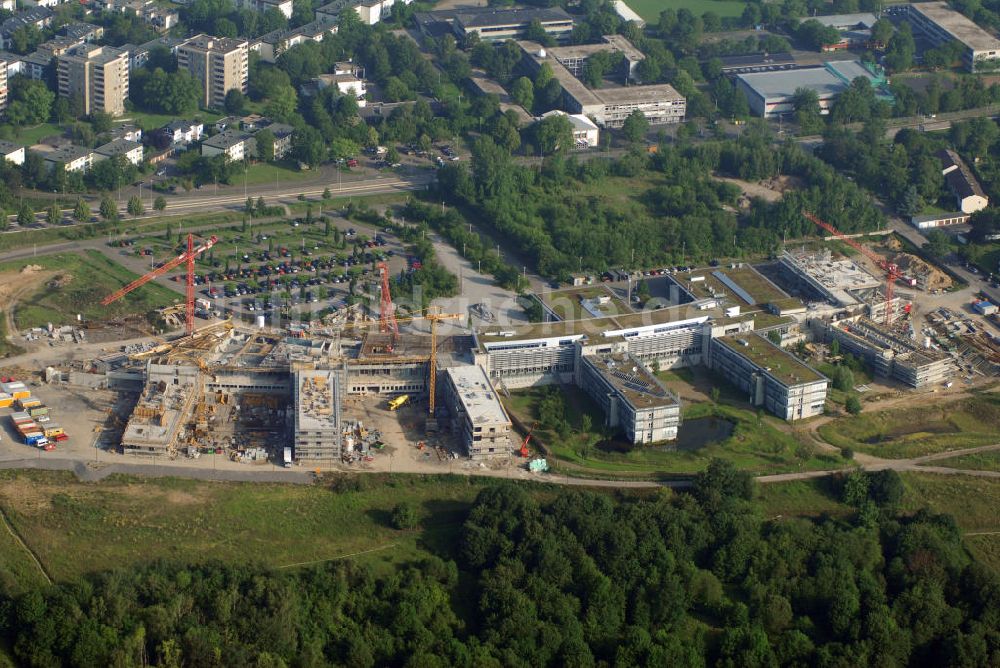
36 438
399 402
287 458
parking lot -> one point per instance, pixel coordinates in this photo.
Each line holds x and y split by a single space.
294 268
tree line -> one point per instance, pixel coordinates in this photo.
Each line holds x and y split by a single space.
555 218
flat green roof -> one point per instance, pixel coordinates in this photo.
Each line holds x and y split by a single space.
567 303
758 287
781 364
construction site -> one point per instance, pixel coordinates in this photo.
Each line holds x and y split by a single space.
360 387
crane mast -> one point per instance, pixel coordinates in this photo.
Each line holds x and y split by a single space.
188 256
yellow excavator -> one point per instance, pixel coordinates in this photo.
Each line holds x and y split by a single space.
399 402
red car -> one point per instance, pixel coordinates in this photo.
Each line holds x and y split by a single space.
352 163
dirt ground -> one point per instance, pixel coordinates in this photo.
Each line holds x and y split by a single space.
769 190
403 431
912 265
16 284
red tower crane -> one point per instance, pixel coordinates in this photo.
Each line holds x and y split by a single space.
891 269
524 446
187 256
387 311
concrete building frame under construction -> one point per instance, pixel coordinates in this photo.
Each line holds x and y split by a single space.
477 416
317 425
887 355
154 429
842 282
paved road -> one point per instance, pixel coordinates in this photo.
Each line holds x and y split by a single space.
233 197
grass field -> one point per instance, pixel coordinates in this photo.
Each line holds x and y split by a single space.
36 133
756 443
920 430
980 461
77 528
85 279
18 572
650 9
799 498
155 121
971 501
264 173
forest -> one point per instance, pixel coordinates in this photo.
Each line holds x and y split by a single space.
691 578
564 216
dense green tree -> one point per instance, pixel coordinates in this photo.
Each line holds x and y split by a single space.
160 203
176 93
236 102
522 91
553 133
817 35
308 146
635 127
404 516
901 49
264 140
25 215
109 210
135 206
53 216
30 102
81 213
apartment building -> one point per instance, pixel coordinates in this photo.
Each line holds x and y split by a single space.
969 195
611 105
98 76
12 153
284 7
772 378
130 150
3 83
220 63
234 144
498 24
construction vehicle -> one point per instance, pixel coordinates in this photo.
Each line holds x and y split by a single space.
524 445
390 325
187 257
891 269
399 402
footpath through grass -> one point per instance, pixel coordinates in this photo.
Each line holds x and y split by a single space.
18 572
979 461
923 429
78 528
